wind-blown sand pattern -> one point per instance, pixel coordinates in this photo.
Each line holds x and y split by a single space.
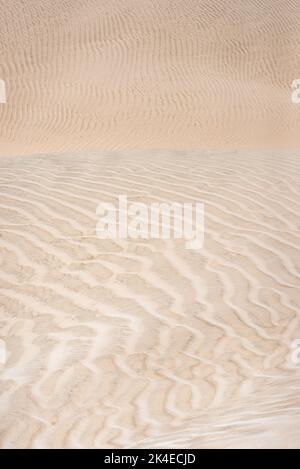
179 74
143 343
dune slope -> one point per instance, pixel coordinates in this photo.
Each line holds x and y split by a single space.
180 74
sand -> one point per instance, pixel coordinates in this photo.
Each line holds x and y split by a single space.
174 74
144 343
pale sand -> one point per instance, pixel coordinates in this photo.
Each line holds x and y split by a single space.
179 74
145 343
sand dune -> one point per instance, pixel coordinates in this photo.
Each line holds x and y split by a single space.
143 343
118 74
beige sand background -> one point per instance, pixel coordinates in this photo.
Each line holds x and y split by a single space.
148 74
143 343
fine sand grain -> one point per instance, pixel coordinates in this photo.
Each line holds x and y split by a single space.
143 343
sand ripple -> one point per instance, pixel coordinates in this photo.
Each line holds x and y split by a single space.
118 74
144 343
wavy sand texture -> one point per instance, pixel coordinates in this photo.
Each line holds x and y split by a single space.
142 342
117 74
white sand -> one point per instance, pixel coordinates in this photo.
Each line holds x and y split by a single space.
143 342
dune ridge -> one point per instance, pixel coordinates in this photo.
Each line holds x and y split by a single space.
143 343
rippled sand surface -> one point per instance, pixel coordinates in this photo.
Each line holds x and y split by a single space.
143 343
179 74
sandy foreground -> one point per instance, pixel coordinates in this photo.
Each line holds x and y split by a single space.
173 74
144 343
